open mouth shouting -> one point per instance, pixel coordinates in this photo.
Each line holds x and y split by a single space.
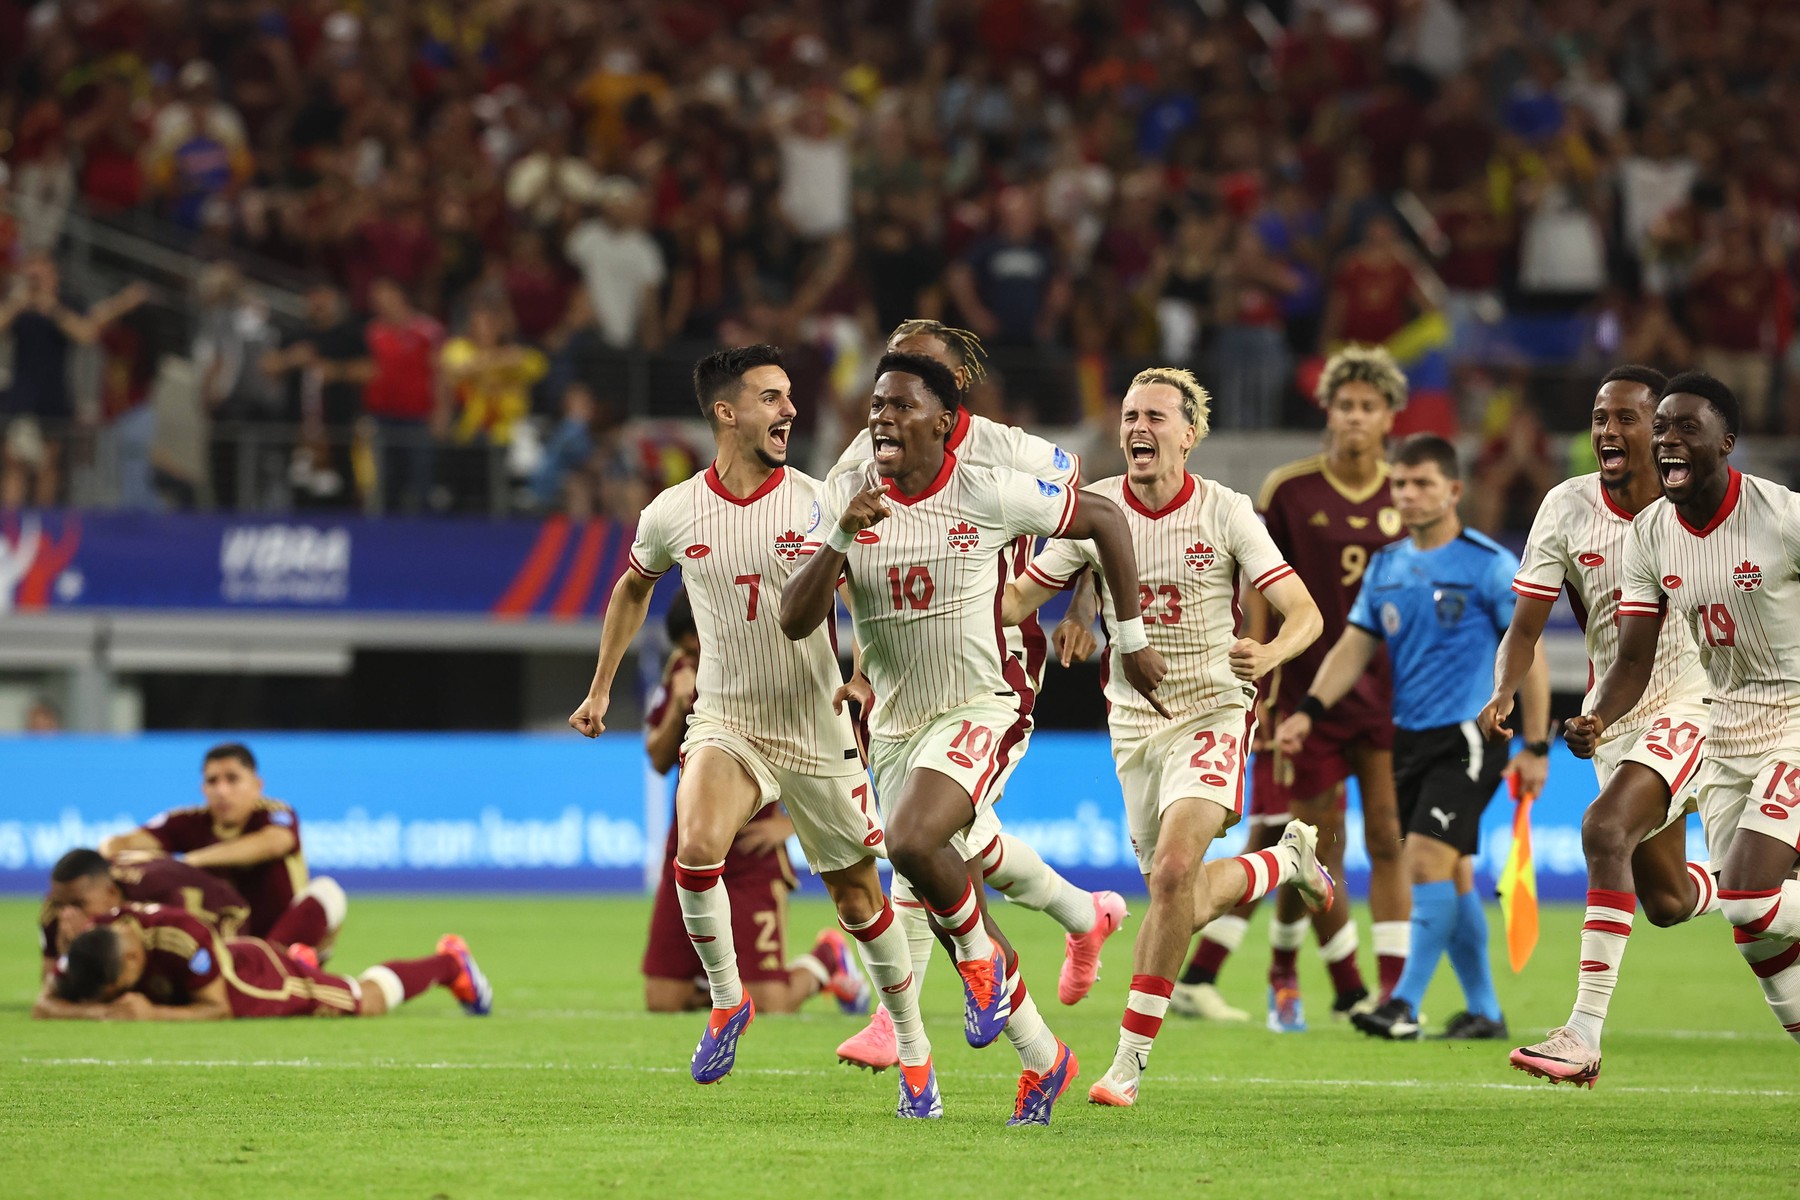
887 449
1675 470
1612 458
1141 449
778 436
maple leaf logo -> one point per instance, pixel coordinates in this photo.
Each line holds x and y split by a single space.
788 545
964 537
1199 556
1747 577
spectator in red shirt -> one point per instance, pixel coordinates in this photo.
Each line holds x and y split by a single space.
400 390
1376 290
1730 302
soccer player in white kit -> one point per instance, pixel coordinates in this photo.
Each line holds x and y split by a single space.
1635 833
925 542
994 857
1721 554
1183 780
764 727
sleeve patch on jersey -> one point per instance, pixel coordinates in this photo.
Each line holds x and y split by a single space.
1060 457
816 516
281 816
201 963
1048 488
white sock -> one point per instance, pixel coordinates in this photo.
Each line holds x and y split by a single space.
915 923
1020 873
1393 939
1145 1007
1026 1030
1227 931
964 925
885 952
1603 936
1777 967
1772 914
1342 944
812 966
1265 870
706 913
1288 935
1706 888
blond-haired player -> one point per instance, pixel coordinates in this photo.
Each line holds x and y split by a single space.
1183 779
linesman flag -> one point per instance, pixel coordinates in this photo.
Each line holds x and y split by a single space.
1518 885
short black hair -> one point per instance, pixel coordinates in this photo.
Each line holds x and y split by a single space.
1699 383
678 622
79 864
1650 377
939 380
236 750
722 369
1422 448
90 967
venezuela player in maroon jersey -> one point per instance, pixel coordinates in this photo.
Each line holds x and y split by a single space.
145 962
84 887
1327 514
250 841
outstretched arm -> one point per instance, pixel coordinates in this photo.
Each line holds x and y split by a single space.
1518 651
625 613
1344 664
1099 520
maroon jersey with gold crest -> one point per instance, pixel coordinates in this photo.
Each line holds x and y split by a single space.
215 903
269 887
181 955
1327 534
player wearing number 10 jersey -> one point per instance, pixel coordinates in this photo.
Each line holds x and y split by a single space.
1721 554
764 727
1181 766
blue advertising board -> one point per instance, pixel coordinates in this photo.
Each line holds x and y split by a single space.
477 812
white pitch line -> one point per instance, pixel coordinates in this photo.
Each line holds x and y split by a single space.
950 1073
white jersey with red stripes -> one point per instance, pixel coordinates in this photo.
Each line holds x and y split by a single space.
1736 585
1578 540
977 441
1190 556
926 585
735 555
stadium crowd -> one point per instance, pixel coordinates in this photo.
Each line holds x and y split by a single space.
507 206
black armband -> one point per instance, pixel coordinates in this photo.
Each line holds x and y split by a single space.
1313 707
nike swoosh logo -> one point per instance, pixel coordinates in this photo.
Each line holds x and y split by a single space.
697 938
896 989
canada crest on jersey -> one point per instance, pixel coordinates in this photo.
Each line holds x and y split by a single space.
1747 577
1199 557
789 544
964 537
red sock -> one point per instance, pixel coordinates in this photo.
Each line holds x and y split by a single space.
1204 966
417 975
1346 976
1284 963
302 925
1391 967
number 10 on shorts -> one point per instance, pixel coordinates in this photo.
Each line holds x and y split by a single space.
971 744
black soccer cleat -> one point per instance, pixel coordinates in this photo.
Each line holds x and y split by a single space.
1345 1001
1470 1027
1394 1021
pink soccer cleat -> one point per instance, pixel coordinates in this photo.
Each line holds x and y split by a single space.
1081 963
875 1047
1561 1057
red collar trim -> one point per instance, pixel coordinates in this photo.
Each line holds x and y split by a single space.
718 485
931 489
1611 504
1182 497
1732 488
958 431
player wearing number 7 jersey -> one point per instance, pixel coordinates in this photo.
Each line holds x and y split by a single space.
1183 779
1720 552
925 540
764 726
1635 833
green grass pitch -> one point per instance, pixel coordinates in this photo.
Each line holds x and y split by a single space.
569 1090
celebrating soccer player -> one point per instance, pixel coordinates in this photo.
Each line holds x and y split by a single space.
253 843
926 541
144 962
1720 553
995 857
1441 599
85 887
1635 833
765 727
1183 779
1327 514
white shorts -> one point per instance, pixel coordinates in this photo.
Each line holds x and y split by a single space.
1201 757
1673 745
834 816
1758 792
977 744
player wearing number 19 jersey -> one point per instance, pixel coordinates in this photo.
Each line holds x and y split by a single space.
1721 554
1181 768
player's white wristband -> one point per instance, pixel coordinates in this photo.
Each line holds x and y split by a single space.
1130 636
839 539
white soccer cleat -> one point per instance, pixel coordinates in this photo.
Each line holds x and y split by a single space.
1312 880
1562 1057
1118 1088
1204 1001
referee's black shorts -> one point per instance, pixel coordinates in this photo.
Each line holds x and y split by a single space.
1444 778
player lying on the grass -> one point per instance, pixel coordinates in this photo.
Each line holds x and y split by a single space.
993 856
757 879
1183 779
1635 833
765 727
925 541
1326 514
1440 600
253 843
84 887
145 962
1720 553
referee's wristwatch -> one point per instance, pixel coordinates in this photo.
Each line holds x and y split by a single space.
1541 749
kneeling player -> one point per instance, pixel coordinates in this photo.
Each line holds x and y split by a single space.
1183 779
145 962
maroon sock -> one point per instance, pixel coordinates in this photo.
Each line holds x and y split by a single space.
1391 966
302 925
1284 964
417 975
1346 976
1204 967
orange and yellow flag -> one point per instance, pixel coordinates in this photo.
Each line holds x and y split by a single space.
1518 886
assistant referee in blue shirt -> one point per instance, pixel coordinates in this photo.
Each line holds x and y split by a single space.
1441 601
